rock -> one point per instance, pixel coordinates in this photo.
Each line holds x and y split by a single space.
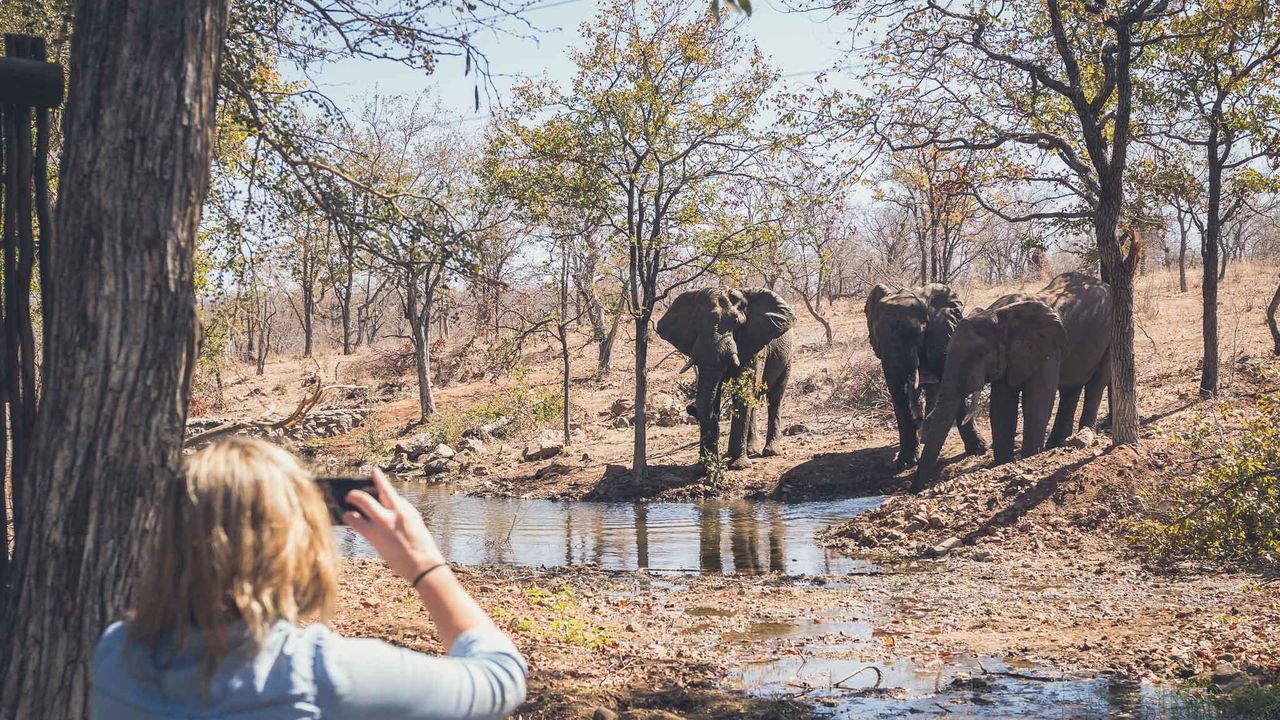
436 466
796 429
472 445
417 444
604 714
1226 674
546 447
945 546
1083 438
443 451
666 420
552 470
622 421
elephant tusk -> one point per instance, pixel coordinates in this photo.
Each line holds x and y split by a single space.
778 319
686 367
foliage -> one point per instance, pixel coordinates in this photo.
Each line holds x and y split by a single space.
373 446
1228 514
528 406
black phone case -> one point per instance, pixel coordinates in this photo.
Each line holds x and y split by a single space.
335 492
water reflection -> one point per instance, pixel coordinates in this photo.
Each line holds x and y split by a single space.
708 536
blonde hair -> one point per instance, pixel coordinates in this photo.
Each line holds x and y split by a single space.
243 537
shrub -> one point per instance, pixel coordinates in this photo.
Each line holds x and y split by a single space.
528 406
391 362
1228 514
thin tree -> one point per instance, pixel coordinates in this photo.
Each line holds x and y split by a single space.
1051 81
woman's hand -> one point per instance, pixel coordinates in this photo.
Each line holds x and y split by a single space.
394 528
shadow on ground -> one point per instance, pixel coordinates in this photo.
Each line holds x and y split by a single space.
857 473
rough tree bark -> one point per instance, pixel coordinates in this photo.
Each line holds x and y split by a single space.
120 327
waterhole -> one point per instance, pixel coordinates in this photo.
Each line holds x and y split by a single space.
713 536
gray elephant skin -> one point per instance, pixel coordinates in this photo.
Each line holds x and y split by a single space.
1028 348
726 332
909 331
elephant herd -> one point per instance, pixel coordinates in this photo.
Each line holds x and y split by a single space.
1030 348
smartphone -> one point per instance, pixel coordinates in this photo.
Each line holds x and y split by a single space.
335 493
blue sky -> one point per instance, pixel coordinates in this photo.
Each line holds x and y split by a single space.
798 44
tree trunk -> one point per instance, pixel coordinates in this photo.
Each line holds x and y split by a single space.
1183 231
1119 271
345 297
564 342
638 459
1271 321
308 314
1209 290
418 313
120 326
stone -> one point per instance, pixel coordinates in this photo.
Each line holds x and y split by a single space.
1083 438
1226 674
417 444
604 714
472 445
443 451
622 421
436 467
945 546
546 447
621 406
796 429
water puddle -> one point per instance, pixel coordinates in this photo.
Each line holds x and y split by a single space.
715 536
965 688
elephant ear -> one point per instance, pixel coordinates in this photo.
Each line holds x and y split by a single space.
878 293
679 324
1032 333
768 317
946 310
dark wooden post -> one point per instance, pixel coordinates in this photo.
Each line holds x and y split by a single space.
29 87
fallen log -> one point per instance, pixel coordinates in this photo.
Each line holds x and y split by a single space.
305 406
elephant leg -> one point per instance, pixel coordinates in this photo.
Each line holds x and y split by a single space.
1037 406
775 392
908 440
1100 381
1004 421
1064 423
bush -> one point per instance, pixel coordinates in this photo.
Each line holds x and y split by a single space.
528 406
1228 514
391 362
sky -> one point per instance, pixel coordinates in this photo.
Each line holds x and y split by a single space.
798 44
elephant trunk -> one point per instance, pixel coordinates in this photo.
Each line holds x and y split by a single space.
708 414
936 427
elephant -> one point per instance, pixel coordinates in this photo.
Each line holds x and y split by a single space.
726 332
1029 348
909 331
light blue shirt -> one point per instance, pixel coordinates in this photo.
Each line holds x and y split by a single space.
311 672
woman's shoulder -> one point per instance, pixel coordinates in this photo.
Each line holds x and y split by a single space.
112 642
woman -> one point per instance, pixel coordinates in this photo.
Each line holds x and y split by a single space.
244 552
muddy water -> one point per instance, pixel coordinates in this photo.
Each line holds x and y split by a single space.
713 536
965 688
752 537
